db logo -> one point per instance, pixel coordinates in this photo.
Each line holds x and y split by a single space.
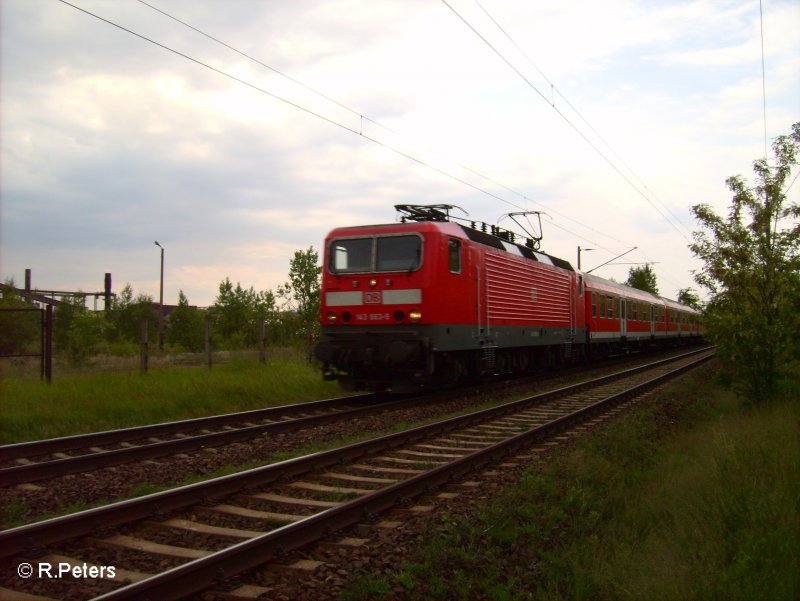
373 297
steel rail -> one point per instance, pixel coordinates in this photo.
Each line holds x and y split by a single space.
38 534
42 470
30 448
80 441
207 571
33 472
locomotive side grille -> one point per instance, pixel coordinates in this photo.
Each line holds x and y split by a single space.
520 290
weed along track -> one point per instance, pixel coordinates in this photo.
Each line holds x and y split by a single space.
210 535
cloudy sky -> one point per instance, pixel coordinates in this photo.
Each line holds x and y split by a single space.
611 117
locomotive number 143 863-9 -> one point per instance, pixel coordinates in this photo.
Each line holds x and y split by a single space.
372 317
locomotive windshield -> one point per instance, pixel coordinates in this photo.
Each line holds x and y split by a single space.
351 256
375 254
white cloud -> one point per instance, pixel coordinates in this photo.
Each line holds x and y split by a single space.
109 142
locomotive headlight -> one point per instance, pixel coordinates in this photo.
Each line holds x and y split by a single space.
373 282
331 316
414 315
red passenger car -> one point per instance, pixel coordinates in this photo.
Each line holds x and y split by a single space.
618 316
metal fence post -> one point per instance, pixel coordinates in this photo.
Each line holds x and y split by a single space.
208 340
42 328
143 346
262 334
48 344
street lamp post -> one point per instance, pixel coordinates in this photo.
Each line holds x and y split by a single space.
161 303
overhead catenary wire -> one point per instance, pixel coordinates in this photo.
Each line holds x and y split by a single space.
789 187
296 105
359 132
565 118
364 117
211 67
555 90
266 66
345 127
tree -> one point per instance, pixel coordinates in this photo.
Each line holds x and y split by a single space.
77 332
64 315
239 312
302 292
127 312
751 265
687 296
186 326
85 335
20 331
642 278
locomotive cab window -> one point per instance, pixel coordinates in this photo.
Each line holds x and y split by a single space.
353 255
454 255
375 254
398 253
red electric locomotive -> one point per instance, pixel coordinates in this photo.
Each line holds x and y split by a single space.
430 300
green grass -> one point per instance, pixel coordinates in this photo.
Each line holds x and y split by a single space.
697 497
31 410
723 521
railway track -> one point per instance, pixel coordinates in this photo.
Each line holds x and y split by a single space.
39 460
184 540
35 461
